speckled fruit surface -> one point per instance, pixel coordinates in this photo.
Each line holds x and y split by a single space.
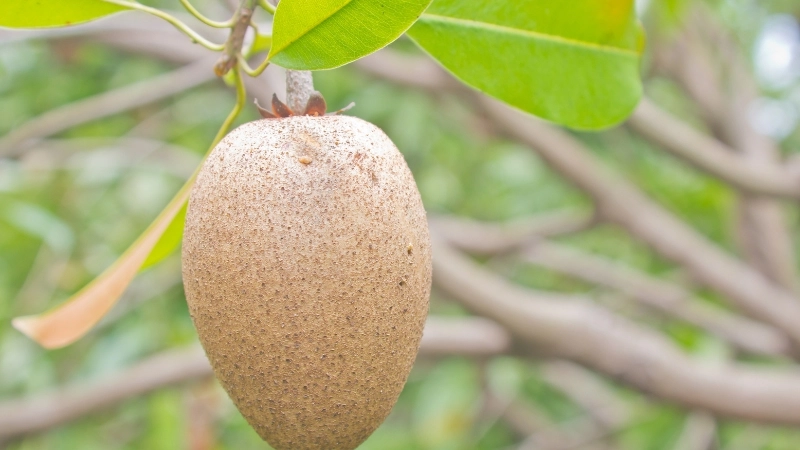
307 269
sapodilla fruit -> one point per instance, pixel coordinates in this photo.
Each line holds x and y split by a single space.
307 270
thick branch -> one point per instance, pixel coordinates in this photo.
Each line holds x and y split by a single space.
465 336
47 410
672 134
670 299
419 72
621 202
594 337
708 63
526 237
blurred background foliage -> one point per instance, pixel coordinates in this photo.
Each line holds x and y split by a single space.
68 209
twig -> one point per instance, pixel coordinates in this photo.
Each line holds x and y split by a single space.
584 333
579 433
106 104
699 433
525 419
710 155
52 154
623 203
233 45
586 390
491 239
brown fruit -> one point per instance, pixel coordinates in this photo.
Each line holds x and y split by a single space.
307 269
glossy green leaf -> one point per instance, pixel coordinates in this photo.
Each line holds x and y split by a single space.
571 62
324 34
52 13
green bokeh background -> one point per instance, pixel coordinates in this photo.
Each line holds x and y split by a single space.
67 215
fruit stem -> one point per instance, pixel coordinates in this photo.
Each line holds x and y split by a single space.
299 86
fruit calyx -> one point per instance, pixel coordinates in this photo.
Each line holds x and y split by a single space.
316 107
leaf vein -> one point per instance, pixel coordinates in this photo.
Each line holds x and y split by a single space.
528 33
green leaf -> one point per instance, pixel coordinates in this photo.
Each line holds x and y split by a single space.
261 43
325 34
52 13
572 62
169 241
72 319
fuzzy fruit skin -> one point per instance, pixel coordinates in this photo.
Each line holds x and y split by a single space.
307 270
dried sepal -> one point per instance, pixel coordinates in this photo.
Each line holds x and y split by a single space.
263 111
279 109
316 105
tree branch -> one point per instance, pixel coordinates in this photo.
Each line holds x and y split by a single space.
106 104
30 415
699 433
233 45
589 335
672 134
473 337
724 92
670 299
623 203
527 237
710 155
663 296
490 239
586 390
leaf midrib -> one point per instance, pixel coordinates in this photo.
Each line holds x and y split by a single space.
528 33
